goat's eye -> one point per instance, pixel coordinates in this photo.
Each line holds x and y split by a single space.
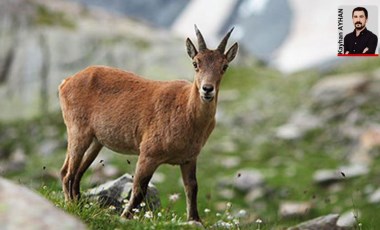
225 68
195 65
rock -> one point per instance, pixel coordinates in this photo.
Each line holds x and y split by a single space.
370 138
333 89
348 219
300 122
254 194
327 176
230 161
37 54
158 178
226 193
48 147
369 143
322 222
290 209
248 179
21 208
374 197
116 192
16 162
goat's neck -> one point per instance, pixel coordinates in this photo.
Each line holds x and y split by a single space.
202 112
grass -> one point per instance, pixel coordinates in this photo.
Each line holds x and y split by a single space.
262 100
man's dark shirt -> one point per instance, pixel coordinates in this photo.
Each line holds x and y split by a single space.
356 45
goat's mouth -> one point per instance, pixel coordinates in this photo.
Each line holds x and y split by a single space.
207 97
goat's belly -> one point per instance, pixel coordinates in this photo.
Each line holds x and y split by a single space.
124 144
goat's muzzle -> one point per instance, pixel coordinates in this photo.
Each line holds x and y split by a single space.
207 92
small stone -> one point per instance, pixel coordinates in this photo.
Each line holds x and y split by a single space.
374 197
230 161
291 209
226 193
254 194
327 176
348 219
248 179
300 123
158 178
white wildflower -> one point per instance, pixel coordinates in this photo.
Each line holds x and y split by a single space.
135 217
136 210
207 210
148 215
174 197
242 213
236 221
218 214
259 221
159 214
229 205
142 204
112 207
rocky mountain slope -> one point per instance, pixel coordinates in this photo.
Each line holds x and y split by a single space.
43 42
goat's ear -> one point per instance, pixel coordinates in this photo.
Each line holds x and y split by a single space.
191 50
231 53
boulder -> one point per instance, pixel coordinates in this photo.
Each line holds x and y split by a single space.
22 208
322 222
333 89
116 193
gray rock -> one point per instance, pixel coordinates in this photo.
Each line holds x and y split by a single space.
348 219
326 176
230 161
374 197
333 89
117 192
248 179
300 122
21 208
290 209
322 222
16 162
35 57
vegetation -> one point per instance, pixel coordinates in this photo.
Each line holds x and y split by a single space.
258 101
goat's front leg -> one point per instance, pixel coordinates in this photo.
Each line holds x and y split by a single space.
144 171
191 187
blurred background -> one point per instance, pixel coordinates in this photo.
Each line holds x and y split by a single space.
297 128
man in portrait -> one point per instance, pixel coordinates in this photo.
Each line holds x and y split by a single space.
361 40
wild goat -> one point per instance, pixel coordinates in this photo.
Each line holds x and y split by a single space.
161 122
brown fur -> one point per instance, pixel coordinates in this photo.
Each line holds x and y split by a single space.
162 122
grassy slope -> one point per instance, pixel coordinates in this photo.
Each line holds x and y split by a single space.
264 101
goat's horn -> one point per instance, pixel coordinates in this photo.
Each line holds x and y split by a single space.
201 41
223 43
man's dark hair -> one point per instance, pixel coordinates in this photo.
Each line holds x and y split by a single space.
360 9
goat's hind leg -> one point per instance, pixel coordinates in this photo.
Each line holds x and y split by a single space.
89 156
78 143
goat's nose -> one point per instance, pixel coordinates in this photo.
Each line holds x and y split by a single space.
208 88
